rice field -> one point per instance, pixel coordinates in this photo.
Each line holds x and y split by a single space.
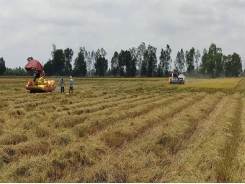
123 130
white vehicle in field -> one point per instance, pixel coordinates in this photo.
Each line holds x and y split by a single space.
176 78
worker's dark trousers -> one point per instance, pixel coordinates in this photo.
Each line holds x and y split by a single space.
62 89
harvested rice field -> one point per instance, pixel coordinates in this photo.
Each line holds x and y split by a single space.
123 130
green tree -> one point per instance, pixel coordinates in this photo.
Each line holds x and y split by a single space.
197 56
18 71
189 55
159 70
68 54
236 64
227 65
122 63
212 63
130 65
140 57
48 68
180 61
219 63
58 61
151 58
2 66
204 62
134 56
162 59
211 60
80 66
165 60
89 61
133 67
143 70
101 64
115 64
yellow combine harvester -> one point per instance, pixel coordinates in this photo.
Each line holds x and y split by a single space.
176 78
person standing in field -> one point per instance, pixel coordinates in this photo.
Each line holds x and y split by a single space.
71 85
62 85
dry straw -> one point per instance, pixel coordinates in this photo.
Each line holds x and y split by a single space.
123 130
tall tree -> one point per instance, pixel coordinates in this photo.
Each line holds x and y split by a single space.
92 59
180 61
183 61
204 62
130 64
48 68
162 59
89 61
88 57
101 64
115 64
2 66
68 54
165 60
103 52
133 51
58 62
140 55
219 63
151 61
212 63
236 64
122 63
227 65
143 70
133 67
211 60
190 60
197 57
80 66
159 70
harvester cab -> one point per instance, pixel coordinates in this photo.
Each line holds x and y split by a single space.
176 78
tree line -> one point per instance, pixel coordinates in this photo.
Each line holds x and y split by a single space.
138 61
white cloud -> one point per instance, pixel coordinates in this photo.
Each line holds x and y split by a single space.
29 28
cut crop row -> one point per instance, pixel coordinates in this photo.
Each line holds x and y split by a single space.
92 125
132 127
98 111
143 155
212 159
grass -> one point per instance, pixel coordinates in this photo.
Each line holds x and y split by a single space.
123 130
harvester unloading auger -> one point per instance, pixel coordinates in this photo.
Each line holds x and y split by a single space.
39 83
176 78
